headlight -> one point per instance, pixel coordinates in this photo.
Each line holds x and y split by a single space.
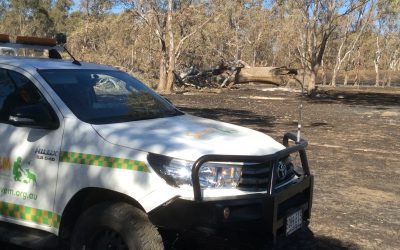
212 175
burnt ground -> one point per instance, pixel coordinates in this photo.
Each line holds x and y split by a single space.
354 142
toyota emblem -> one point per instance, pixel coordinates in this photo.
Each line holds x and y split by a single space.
282 170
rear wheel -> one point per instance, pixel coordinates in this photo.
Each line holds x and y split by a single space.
115 226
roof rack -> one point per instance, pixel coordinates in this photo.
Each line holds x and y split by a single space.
39 43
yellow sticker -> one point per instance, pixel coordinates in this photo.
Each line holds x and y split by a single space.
5 163
211 131
200 133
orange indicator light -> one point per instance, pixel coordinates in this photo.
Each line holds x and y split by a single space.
4 38
30 40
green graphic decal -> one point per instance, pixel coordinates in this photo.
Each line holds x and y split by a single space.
103 161
30 214
22 175
17 169
31 176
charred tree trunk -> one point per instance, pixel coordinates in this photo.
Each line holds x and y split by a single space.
163 67
346 77
376 61
323 69
311 81
376 64
357 68
171 50
254 57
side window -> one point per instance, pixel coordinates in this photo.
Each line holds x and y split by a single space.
7 89
15 91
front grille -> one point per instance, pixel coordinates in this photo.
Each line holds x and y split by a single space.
255 177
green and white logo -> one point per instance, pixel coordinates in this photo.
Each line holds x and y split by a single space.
22 175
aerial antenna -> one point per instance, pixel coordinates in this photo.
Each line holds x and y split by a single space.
300 121
62 39
74 61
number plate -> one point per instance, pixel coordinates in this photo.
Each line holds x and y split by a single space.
294 222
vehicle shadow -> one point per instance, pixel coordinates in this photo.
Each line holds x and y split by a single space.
303 239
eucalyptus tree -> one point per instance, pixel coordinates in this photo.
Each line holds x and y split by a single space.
349 32
28 18
173 22
318 19
387 53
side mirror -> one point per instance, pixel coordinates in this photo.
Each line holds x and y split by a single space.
34 116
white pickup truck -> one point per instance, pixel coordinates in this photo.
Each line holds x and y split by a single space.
91 155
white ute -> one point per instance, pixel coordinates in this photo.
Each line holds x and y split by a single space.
90 155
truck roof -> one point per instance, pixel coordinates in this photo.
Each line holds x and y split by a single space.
29 63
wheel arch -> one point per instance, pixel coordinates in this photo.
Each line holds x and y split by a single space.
83 200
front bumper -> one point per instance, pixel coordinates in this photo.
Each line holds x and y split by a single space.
250 214
257 214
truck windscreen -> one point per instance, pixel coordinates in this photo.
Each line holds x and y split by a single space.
106 96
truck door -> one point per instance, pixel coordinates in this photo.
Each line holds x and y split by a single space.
28 154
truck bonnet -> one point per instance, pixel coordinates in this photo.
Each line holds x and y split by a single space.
188 137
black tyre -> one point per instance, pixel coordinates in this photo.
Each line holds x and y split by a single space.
116 226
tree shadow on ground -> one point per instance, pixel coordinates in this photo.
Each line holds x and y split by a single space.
243 118
364 99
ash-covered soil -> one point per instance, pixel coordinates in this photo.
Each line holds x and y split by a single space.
354 154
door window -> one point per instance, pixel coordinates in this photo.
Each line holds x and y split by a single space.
16 90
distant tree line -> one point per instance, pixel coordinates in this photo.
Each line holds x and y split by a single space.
156 38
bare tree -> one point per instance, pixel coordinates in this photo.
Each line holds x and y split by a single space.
377 60
319 19
175 51
161 16
352 33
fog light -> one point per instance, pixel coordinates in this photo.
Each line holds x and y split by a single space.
227 213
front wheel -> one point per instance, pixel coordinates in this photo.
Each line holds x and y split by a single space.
115 226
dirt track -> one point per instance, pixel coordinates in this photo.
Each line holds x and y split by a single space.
354 154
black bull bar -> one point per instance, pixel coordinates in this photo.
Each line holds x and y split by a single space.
264 213
300 147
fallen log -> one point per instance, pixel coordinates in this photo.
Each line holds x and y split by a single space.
272 75
229 74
